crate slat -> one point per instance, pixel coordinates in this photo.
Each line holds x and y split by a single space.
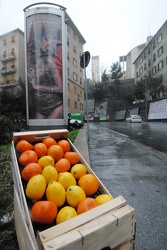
105 230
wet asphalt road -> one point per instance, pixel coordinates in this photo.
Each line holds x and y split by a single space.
139 174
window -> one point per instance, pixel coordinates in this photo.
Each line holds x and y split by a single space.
13 80
141 59
68 43
81 80
160 51
12 51
74 35
153 44
13 63
68 57
74 62
68 71
12 39
75 76
144 55
148 50
75 105
145 66
159 38
4 41
74 48
68 86
160 65
75 90
4 53
80 93
154 70
68 28
149 62
141 70
154 57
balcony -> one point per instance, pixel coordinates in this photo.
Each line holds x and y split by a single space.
8 57
8 70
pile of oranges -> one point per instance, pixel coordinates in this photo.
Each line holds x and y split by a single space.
57 184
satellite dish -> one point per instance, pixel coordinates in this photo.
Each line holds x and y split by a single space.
85 59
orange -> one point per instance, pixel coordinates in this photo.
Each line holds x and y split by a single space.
62 165
43 212
72 157
89 183
30 170
41 149
23 145
49 141
65 213
56 152
65 145
86 205
27 157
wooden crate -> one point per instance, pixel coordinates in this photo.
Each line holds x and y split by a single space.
109 225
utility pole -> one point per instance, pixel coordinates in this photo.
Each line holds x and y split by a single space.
145 86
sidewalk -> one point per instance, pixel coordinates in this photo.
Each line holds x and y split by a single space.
81 144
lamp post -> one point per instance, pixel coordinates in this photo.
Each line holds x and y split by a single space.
145 86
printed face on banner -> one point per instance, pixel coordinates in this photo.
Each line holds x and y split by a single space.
44 66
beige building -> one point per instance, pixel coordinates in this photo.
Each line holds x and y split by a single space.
12 59
152 61
75 43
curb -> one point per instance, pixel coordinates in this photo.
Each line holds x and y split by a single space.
81 145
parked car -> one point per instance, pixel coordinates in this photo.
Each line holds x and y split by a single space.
134 118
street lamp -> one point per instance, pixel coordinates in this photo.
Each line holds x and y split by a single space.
145 85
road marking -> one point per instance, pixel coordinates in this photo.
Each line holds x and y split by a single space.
117 132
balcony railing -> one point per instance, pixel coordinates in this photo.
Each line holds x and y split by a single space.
8 70
8 57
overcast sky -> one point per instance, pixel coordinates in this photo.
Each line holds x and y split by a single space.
111 28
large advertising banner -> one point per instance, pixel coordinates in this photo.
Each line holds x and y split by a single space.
158 110
45 76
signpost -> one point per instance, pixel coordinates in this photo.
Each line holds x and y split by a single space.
85 59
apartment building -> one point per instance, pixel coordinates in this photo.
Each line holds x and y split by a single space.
152 61
75 81
12 58
12 63
95 69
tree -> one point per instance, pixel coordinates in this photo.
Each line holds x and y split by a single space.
148 87
116 71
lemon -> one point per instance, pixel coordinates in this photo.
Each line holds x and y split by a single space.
35 188
66 179
103 198
50 174
65 213
46 160
55 192
78 170
74 195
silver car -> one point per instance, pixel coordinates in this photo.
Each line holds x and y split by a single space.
134 118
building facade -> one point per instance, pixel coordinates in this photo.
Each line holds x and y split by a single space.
152 61
95 69
75 80
12 58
